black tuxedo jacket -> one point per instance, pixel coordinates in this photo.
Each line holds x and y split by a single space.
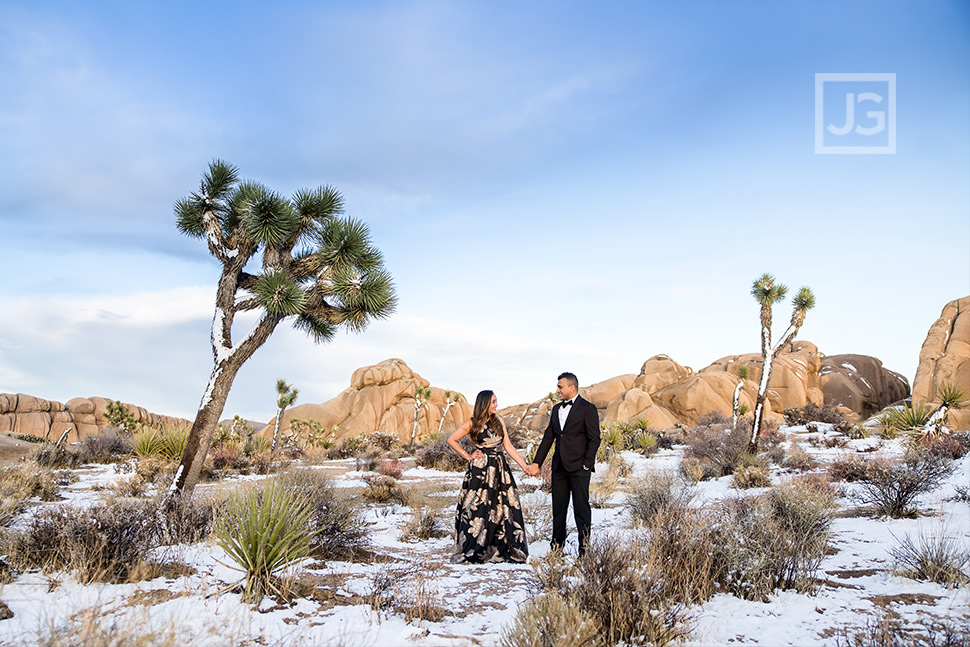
577 441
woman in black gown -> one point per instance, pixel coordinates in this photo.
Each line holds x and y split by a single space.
488 522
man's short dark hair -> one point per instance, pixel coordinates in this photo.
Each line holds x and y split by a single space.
569 377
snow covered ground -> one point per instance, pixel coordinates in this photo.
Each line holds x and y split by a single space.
859 586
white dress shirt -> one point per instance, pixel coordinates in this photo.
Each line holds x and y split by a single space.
564 412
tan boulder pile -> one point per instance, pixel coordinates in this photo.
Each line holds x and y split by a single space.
861 383
380 398
81 417
945 359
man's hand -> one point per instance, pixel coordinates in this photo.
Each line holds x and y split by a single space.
532 469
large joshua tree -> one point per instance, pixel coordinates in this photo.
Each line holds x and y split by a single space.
768 293
308 263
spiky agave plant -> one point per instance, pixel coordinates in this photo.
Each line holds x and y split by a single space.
264 531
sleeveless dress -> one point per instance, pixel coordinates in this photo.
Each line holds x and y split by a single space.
488 523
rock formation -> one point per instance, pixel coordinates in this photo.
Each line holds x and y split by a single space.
945 358
81 417
380 398
861 383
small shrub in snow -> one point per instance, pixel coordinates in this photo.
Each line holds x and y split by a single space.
423 524
550 620
21 483
893 486
751 473
439 455
391 467
383 489
850 468
937 557
718 446
337 521
653 493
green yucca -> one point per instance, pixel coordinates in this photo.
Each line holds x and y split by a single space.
174 440
264 531
906 419
951 396
147 443
257 445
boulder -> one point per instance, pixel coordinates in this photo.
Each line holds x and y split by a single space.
945 359
860 383
659 372
380 398
637 403
80 417
706 392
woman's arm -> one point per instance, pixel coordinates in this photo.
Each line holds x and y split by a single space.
507 443
457 435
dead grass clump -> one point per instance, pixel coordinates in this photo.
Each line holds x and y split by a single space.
655 492
54 457
439 455
550 620
100 543
811 412
185 520
750 473
21 483
383 489
424 524
796 458
106 447
937 557
850 468
409 591
894 486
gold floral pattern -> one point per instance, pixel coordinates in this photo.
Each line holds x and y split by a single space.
488 522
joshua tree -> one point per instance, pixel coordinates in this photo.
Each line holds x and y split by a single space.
309 264
768 293
737 403
451 399
286 396
421 395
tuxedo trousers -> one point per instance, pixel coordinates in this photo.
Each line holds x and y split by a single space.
566 485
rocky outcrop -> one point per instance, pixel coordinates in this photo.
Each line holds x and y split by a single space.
80 417
945 359
380 398
861 383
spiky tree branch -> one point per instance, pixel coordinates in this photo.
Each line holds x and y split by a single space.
335 279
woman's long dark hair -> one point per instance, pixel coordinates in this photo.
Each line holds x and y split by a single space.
481 416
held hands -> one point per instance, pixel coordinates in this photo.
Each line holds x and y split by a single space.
532 469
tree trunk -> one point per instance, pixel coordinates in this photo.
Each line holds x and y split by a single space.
737 400
759 407
203 429
276 430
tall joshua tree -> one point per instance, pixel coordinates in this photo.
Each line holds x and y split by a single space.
768 293
286 395
451 399
310 264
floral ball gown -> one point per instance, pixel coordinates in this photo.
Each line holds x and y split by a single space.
488 522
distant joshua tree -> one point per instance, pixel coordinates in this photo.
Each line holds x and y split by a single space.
286 396
421 395
309 264
451 399
768 293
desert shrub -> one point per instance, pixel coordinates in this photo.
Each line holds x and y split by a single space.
602 488
131 487
391 467
679 543
349 447
935 557
751 472
798 459
105 542
811 412
409 591
776 540
30 438
937 443
227 457
106 447
263 531
439 455
893 486
54 457
616 588
185 520
337 521
383 489
694 469
424 524
655 492
21 483
255 446
849 468
888 630
384 441
712 419
550 620
717 446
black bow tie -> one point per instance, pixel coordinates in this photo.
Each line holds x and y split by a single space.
567 403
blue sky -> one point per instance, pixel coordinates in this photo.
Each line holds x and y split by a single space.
556 186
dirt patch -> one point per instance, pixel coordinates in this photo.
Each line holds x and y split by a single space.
153 597
903 598
832 584
850 574
13 450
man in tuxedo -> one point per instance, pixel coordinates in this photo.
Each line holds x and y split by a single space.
575 427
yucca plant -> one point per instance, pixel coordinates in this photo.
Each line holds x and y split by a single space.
906 419
264 531
147 443
173 441
257 445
